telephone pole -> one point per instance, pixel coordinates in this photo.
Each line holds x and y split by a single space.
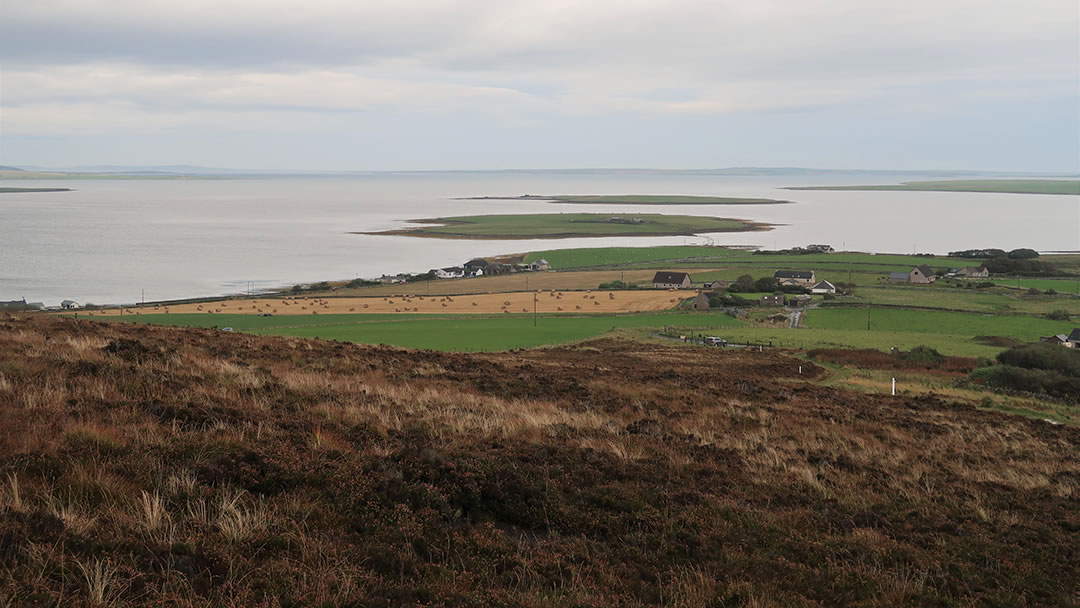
534 309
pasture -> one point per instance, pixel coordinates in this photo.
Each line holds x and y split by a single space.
934 322
459 333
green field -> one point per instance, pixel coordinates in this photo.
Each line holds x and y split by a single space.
976 300
444 332
570 225
650 257
1007 186
935 322
6 190
1068 286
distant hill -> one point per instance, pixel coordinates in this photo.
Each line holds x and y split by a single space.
6 168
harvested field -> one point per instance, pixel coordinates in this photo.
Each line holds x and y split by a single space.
497 303
147 466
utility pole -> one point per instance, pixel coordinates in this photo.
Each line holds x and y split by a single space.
144 297
867 317
534 310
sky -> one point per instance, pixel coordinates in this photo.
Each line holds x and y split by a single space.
499 84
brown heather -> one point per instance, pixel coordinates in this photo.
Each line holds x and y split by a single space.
148 466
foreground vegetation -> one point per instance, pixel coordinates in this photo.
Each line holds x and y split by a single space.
149 466
1011 186
571 225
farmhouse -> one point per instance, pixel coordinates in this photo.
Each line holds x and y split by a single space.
69 304
773 300
1058 340
921 274
540 264
823 287
972 271
798 278
476 264
668 280
1074 337
453 272
700 303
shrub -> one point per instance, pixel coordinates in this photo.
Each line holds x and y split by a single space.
1043 356
613 285
361 283
924 354
1058 315
766 284
320 286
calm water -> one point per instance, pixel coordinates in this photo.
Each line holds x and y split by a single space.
111 239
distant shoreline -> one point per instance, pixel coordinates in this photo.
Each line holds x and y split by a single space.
6 190
996 186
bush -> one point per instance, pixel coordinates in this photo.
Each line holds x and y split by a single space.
361 283
321 286
924 354
1043 356
984 285
1058 315
613 285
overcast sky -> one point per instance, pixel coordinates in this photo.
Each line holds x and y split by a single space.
469 84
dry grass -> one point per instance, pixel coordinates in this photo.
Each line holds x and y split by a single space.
185 472
486 303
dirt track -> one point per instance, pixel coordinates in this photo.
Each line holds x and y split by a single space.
513 302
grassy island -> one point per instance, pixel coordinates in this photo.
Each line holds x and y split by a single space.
634 199
571 225
1004 186
6 190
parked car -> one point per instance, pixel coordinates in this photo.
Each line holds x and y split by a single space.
229 329
714 341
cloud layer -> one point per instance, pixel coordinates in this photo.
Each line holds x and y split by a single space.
324 68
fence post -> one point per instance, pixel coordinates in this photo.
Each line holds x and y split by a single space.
894 386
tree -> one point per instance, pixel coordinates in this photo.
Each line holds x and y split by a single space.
1023 254
745 283
766 284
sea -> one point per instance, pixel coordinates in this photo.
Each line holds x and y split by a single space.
114 241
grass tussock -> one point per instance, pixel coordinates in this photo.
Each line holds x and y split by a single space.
147 466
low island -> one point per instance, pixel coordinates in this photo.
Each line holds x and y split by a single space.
1003 186
631 199
571 225
6 190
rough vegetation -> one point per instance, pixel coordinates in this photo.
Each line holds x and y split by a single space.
1037 368
147 466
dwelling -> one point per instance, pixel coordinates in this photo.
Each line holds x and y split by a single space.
972 272
823 287
453 272
715 285
1074 337
922 275
773 300
14 305
700 303
541 264
1058 340
796 278
394 279
669 280
819 249
69 304
476 264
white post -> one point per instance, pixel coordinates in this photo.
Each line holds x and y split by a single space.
800 369
894 386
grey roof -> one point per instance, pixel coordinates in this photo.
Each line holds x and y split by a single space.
1075 335
670 277
66 302
793 274
898 275
926 270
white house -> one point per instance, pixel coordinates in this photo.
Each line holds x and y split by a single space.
823 287
453 272
69 304
540 264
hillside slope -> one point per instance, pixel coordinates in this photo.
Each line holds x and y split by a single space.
146 466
